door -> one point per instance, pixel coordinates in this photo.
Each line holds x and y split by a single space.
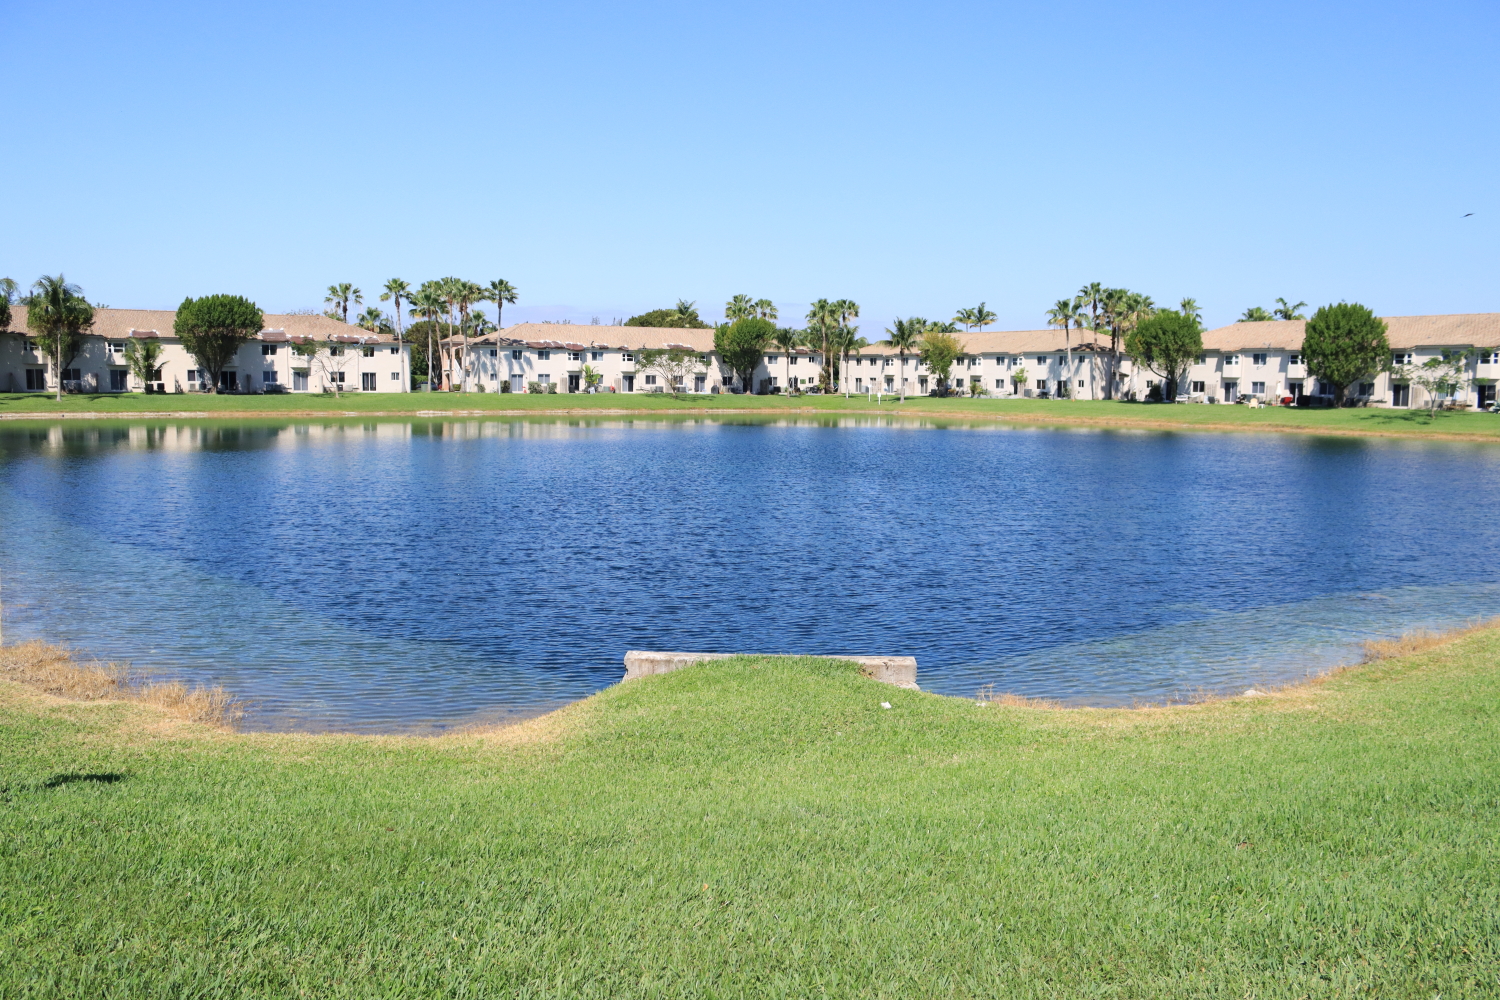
1400 394
367 381
573 378
1231 391
700 382
629 382
518 383
1486 394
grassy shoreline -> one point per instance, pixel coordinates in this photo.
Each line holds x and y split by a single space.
763 827
1357 422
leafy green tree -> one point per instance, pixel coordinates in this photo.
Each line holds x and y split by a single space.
1344 343
742 344
397 289
905 335
677 318
143 358
339 296
8 290
1440 377
939 349
1166 342
591 377
673 364
1286 310
1255 314
214 328
57 315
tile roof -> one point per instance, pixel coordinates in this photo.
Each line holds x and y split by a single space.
582 338
1458 330
119 324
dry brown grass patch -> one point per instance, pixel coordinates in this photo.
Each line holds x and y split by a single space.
1420 641
57 671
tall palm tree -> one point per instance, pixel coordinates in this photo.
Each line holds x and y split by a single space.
845 310
979 316
341 295
904 335
765 309
821 318
57 313
1067 313
1189 308
398 289
738 308
684 311
786 338
465 294
1286 310
428 303
500 292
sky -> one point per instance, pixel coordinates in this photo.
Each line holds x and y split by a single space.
609 158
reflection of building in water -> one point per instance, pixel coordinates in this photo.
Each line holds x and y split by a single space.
339 355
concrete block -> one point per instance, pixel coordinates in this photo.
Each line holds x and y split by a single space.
898 670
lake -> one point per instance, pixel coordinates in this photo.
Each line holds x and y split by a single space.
410 576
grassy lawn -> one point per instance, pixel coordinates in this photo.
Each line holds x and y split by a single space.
764 828
1350 421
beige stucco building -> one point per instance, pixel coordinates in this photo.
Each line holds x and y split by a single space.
352 358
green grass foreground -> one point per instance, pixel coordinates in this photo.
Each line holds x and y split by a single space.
1375 421
763 828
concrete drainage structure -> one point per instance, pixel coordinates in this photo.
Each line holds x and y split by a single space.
898 670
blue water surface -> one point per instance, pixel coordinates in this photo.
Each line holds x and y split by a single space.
416 575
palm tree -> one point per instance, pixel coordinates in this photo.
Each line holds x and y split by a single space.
1189 308
765 309
821 317
398 289
904 336
739 307
979 316
1256 314
684 311
845 310
1067 313
500 292
786 338
58 314
1285 310
428 303
465 294
341 294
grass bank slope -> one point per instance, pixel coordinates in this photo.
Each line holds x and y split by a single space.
755 828
1097 413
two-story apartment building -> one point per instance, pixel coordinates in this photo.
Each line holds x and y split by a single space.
346 356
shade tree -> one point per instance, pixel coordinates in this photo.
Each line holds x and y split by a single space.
214 328
1167 343
1344 343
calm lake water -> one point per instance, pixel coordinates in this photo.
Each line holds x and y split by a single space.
410 576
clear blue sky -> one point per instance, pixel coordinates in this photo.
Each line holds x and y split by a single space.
607 158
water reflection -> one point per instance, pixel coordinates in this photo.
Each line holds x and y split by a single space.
381 575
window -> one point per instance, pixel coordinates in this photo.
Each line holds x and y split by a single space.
397 350
1080 383
116 347
493 353
269 376
629 359
959 382
770 381
335 377
999 383
515 355
395 376
544 379
72 375
1295 359
792 358
1196 387
596 355
1258 360
367 381
1199 361
1231 359
544 355
1367 388
267 350
1489 358
1257 388
299 381
1041 361
368 352
650 379
335 352
575 355
117 380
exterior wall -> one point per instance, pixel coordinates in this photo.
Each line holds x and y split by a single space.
520 365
